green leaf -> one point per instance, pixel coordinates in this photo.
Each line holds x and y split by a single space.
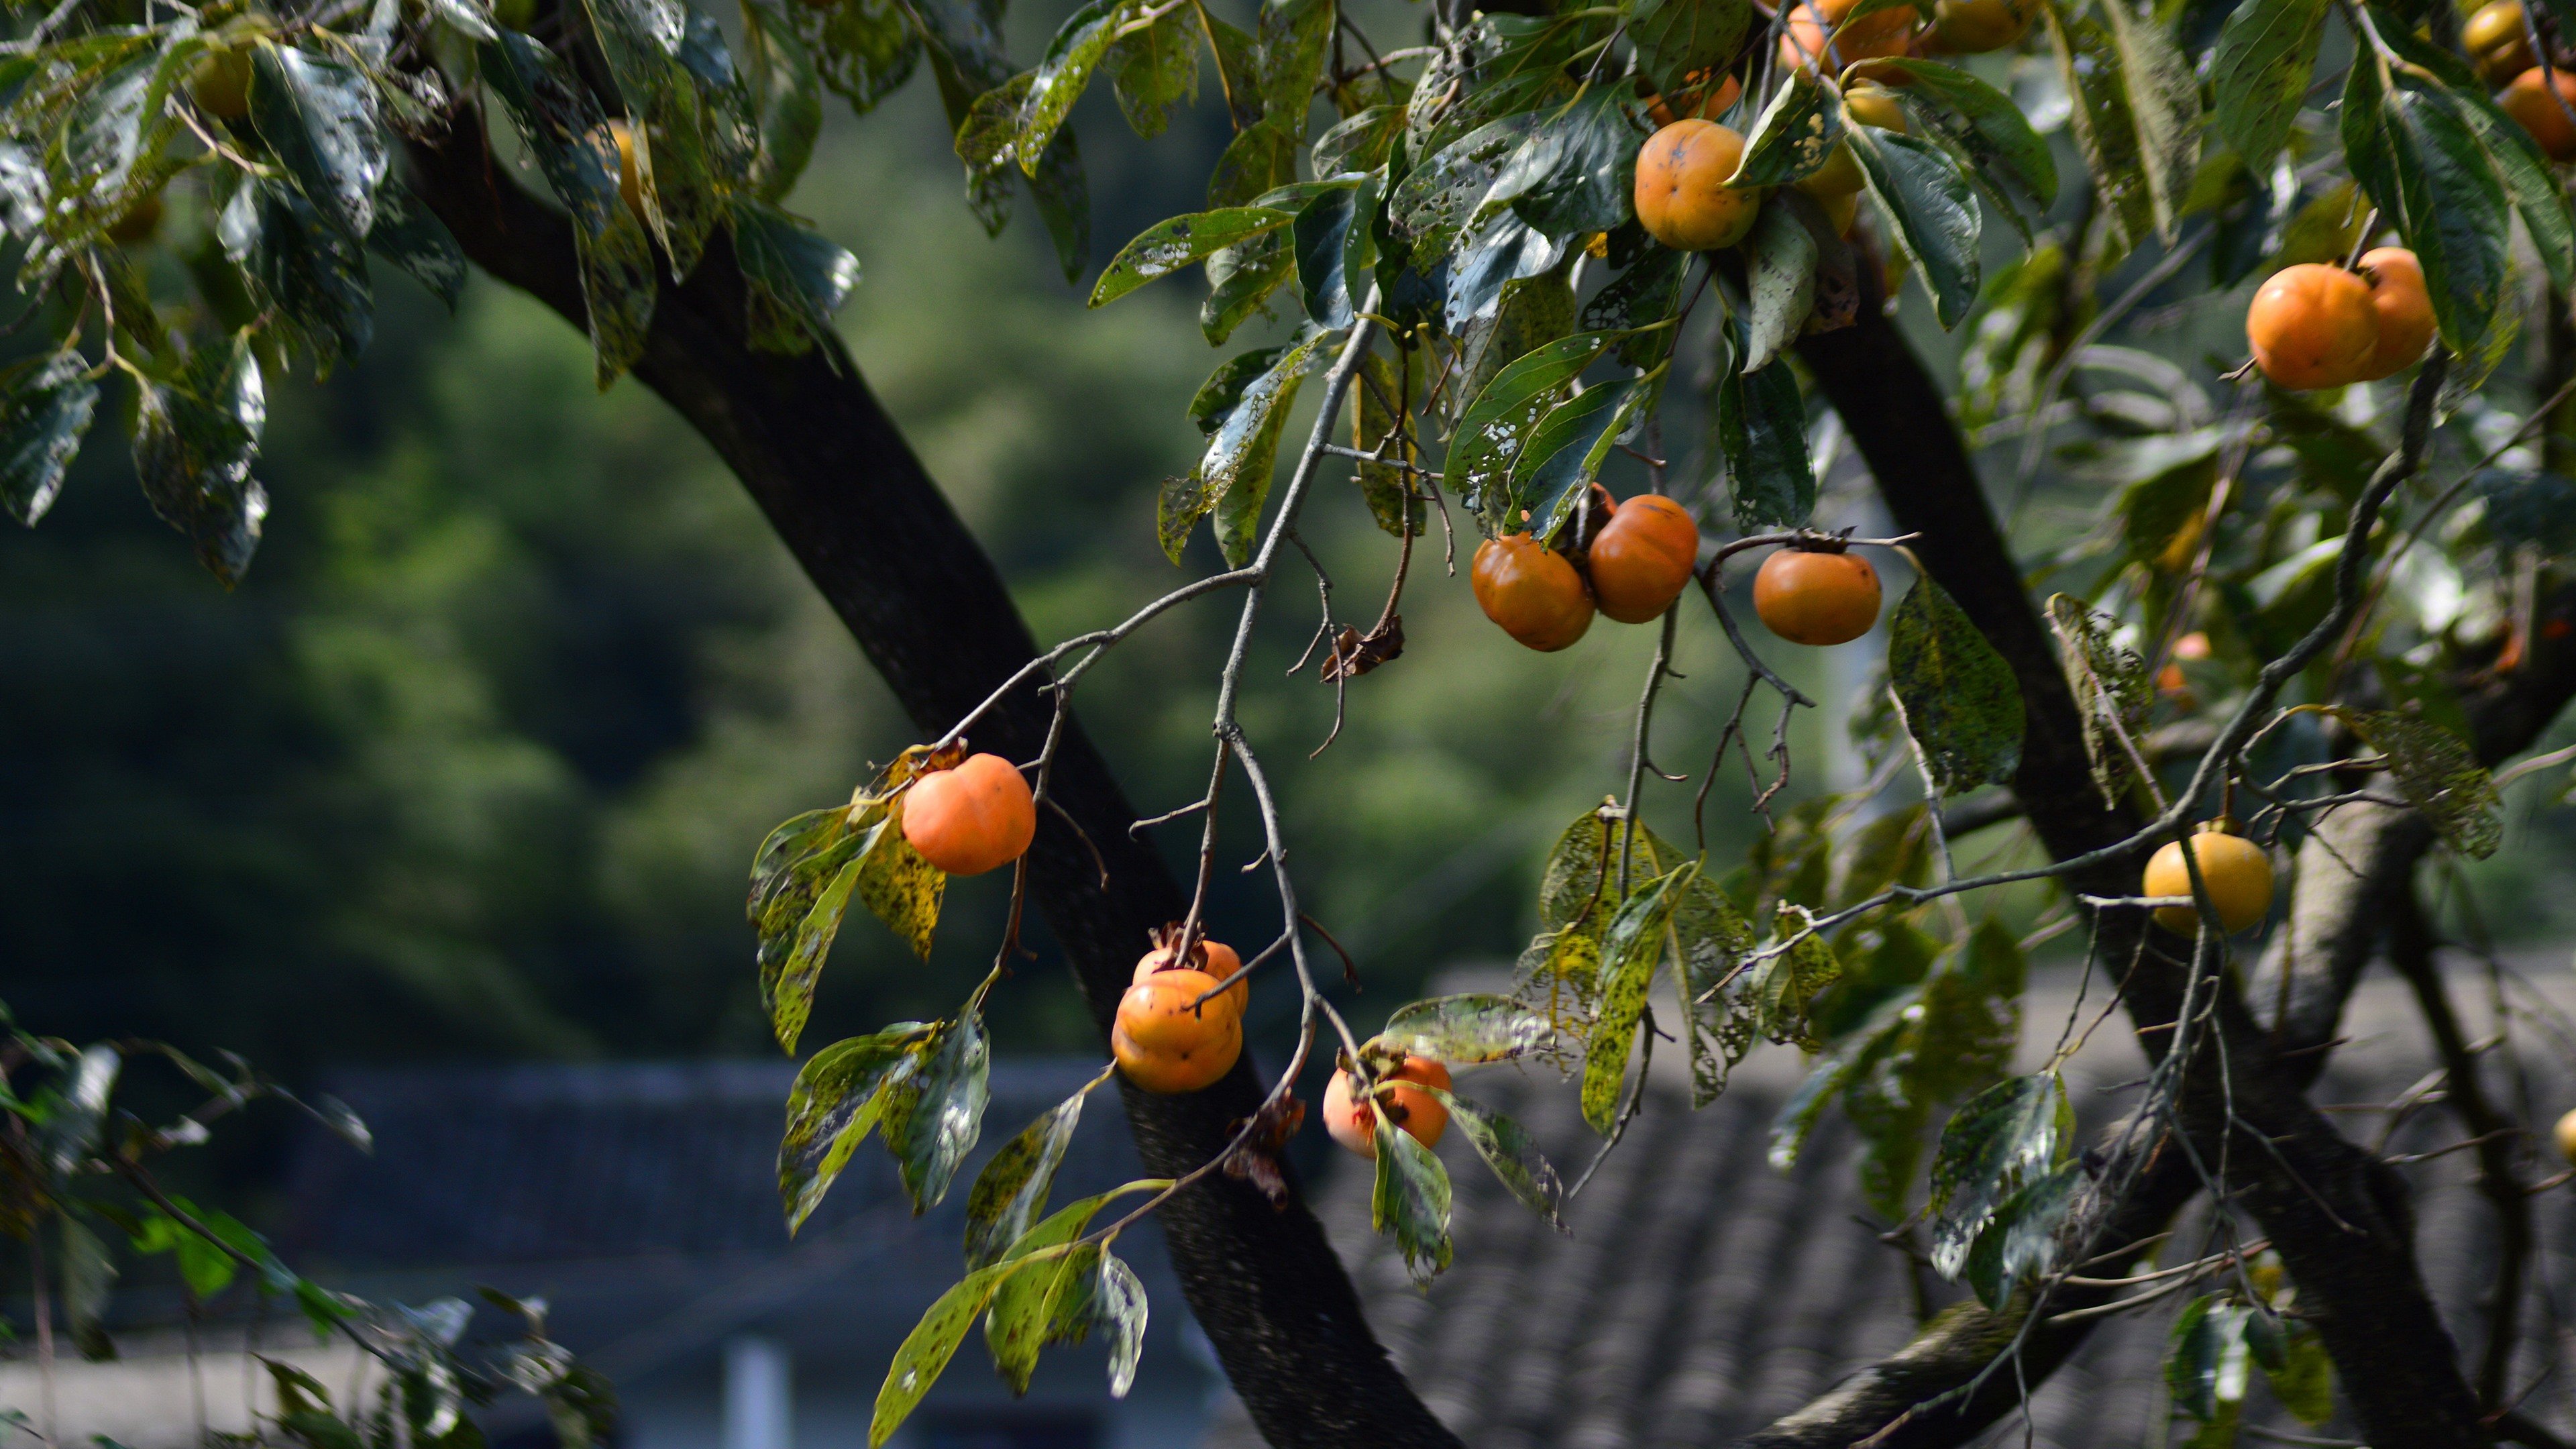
926 1350
1631 949
2439 774
863 49
46 404
1063 1301
1570 883
1235 471
794 278
2266 52
1863 1052
1319 237
1761 426
1648 292
1511 1152
89 1276
1567 448
1240 280
2088 65
1166 247
1063 196
797 927
1779 992
840 1096
1259 159
2205 1357
1155 69
1983 122
1475 1027
195 434
410 235
2164 106
1490 258
931 1124
1711 939
1935 211
1575 173
1411 1194
1012 1189
2112 690
1382 403
1783 283
2304 1379
302 267
2005 1136
1497 427
1959 698
900 888
2020 1243
2451 209
1044 1304
575 150
675 170
1292 37
786 96
318 118
1077 50
1794 134
1676 37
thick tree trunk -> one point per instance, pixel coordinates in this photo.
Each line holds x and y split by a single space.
870 529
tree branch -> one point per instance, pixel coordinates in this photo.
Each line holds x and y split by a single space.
845 493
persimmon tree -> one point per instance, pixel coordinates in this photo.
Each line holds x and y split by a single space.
2308 619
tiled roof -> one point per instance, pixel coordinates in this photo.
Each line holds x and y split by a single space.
1702 1294
591 1162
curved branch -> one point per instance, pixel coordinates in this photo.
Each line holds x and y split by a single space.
846 494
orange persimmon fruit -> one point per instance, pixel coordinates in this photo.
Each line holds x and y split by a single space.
969 819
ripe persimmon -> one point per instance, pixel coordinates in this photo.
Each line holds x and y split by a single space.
1167 1041
1842 211
2498 42
2311 326
1682 197
630 176
2566 1135
2237 872
972 818
1214 959
220 82
1353 1123
2404 309
1816 34
1531 591
1872 104
140 223
1973 27
1696 96
1642 559
1816 596
2541 106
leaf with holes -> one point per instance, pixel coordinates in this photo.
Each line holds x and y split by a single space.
1511 1152
1576 173
196 431
840 1097
2005 1136
1958 696
1796 131
1411 1195
2439 774
46 404
2020 1242
1496 430
931 1124
2111 690
794 278
1012 1189
1433 202
1168 246
1568 447
318 118
1475 1027
1155 69
1631 948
